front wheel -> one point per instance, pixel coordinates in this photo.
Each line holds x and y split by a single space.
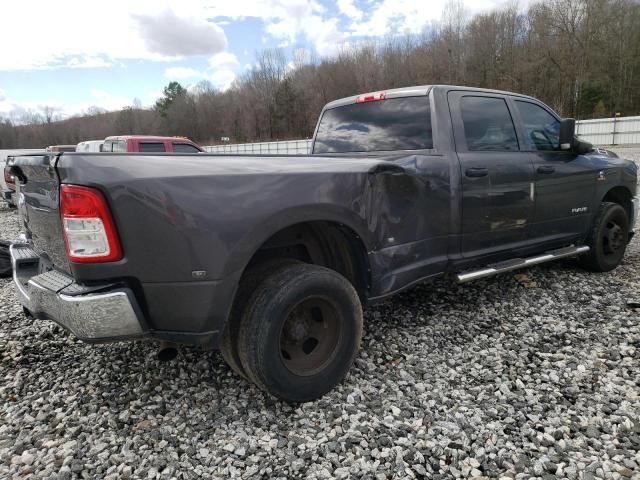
608 238
300 332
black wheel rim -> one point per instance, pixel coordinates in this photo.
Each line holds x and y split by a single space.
613 240
310 336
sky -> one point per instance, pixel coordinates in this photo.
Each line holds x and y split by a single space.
73 54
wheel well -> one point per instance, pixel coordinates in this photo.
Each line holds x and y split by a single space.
325 243
621 196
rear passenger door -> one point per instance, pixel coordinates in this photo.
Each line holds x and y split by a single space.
497 177
564 181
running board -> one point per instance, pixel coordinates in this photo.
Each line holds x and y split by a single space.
516 263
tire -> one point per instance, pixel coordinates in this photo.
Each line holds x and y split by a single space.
608 238
250 280
300 332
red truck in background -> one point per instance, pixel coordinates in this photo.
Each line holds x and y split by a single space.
118 143
150 144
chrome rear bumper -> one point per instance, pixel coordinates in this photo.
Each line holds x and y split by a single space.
94 314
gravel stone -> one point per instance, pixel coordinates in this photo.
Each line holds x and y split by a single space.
487 380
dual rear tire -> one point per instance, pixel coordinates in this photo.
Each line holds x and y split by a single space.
295 329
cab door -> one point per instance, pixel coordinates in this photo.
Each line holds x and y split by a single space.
497 177
565 182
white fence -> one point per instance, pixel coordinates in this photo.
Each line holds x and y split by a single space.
610 131
284 147
600 131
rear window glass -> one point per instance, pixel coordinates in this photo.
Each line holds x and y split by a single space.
184 148
151 147
392 124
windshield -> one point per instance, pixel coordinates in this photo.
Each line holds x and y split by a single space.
382 126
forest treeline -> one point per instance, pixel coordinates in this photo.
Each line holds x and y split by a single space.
582 57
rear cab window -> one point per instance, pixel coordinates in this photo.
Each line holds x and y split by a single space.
151 147
378 126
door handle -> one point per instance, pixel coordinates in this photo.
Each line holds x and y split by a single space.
546 169
476 172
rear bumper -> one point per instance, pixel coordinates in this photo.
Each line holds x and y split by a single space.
100 313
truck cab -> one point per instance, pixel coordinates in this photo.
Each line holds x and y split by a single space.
150 144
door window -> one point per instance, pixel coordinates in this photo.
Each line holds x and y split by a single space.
184 148
488 124
541 129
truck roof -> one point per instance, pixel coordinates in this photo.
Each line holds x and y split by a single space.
417 91
146 137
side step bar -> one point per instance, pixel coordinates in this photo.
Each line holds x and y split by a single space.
517 263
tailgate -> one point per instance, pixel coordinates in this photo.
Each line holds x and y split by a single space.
38 202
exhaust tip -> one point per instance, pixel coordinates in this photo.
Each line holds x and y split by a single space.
167 352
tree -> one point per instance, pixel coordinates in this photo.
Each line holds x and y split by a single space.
49 113
171 92
599 111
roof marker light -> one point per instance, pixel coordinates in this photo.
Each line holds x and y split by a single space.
370 97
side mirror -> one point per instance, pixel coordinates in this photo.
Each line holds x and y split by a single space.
567 133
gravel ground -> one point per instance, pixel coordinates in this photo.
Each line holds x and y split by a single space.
520 377
631 152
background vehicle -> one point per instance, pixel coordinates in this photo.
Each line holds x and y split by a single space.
5 191
9 183
146 143
61 148
271 258
90 146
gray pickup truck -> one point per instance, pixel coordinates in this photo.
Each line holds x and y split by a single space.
271 258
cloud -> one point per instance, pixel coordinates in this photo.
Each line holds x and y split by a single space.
391 17
289 21
347 8
224 60
124 31
224 66
24 112
169 35
161 30
221 71
182 73
108 101
88 62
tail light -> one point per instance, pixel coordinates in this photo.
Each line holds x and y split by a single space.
89 231
370 97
